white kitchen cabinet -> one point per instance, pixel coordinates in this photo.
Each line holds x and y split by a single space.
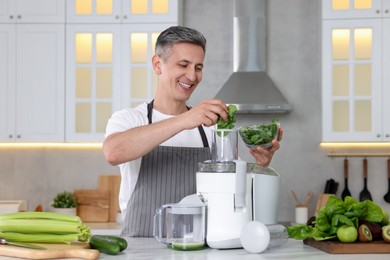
355 82
352 9
109 50
123 11
108 68
32 11
32 82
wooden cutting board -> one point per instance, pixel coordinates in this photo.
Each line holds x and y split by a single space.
93 205
337 247
111 183
73 250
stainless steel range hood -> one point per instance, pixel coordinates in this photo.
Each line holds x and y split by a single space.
249 87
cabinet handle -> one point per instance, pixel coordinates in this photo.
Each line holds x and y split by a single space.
11 17
19 16
387 11
18 136
117 17
10 136
378 11
387 135
125 17
378 135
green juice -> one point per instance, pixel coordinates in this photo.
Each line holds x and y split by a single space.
187 246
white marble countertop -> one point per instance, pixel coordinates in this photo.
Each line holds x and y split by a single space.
150 249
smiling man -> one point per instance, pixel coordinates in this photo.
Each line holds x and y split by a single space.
158 145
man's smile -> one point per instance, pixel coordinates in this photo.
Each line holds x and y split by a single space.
185 85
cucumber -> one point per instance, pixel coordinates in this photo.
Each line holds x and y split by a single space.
105 244
114 239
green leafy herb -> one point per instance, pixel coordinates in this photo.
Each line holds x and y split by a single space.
229 124
259 134
337 213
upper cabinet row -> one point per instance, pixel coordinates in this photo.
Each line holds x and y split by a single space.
355 65
89 11
66 66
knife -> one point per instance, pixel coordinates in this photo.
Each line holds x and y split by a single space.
22 244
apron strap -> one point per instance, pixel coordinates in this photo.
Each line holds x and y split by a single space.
200 128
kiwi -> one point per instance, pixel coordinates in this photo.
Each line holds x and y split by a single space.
375 228
364 233
386 233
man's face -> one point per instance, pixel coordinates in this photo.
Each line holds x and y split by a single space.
181 70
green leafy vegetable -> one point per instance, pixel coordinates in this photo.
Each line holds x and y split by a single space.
229 124
337 213
259 134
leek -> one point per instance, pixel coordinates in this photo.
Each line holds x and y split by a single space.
48 227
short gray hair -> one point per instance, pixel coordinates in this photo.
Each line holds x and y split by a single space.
178 34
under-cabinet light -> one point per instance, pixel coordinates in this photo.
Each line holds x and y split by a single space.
52 145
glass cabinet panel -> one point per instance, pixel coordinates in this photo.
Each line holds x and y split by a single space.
83 7
341 116
340 44
352 101
84 48
363 43
363 80
160 6
139 6
139 47
340 80
363 116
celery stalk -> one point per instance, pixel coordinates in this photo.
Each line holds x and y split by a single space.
39 237
52 227
44 215
38 226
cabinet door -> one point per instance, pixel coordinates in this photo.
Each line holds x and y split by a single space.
93 11
123 11
7 11
352 87
386 79
93 89
7 81
138 77
386 8
343 9
151 11
27 11
40 83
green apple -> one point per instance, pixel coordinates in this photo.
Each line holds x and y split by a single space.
347 234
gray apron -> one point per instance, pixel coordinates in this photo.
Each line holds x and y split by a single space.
167 174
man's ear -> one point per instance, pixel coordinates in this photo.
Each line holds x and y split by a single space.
156 62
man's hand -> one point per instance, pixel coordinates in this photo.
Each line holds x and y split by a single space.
264 156
205 113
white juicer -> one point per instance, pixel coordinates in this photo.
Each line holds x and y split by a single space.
236 192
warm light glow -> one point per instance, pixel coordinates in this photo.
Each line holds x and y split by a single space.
160 6
51 145
365 145
363 4
83 47
340 44
104 6
154 39
363 43
104 47
139 6
83 6
340 4
139 47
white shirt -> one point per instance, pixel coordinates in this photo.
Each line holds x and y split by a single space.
129 118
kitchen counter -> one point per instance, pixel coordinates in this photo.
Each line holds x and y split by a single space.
149 248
